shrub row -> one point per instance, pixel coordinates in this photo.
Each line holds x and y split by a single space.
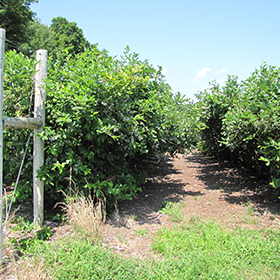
242 121
104 118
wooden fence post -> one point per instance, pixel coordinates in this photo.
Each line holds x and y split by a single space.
2 53
37 123
38 146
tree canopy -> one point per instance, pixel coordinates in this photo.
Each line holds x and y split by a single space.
68 35
40 36
60 38
25 32
15 16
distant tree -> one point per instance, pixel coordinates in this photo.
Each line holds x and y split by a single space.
15 15
40 36
68 36
60 36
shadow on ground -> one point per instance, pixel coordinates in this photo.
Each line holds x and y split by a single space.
238 186
158 189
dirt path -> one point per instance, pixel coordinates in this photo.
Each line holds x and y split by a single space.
206 188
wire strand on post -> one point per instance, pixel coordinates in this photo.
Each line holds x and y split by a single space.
2 54
17 180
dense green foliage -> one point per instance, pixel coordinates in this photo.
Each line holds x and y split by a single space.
68 36
17 102
242 122
60 39
39 36
15 15
211 108
104 118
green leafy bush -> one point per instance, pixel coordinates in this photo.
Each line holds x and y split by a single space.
252 127
17 102
104 118
242 121
214 104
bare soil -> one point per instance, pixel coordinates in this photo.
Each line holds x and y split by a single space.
206 187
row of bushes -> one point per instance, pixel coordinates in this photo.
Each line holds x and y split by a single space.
242 122
104 118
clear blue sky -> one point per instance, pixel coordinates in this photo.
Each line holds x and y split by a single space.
195 41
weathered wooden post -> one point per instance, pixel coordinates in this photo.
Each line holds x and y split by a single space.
37 123
2 53
38 146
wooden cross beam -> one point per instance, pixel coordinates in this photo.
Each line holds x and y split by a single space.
22 123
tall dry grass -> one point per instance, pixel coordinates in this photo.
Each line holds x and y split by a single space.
30 268
86 215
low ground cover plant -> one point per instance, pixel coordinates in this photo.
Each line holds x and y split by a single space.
193 249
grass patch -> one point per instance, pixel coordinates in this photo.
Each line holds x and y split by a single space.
141 232
196 250
204 250
191 250
174 210
250 208
244 218
21 224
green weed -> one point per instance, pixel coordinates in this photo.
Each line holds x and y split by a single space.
173 210
22 224
207 251
121 238
250 208
26 244
140 232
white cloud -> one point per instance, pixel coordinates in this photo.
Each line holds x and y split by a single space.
223 70
200 74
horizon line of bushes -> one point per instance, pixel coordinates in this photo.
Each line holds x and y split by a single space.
105 117
242 122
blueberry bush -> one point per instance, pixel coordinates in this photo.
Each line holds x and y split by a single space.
104 118
242 122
